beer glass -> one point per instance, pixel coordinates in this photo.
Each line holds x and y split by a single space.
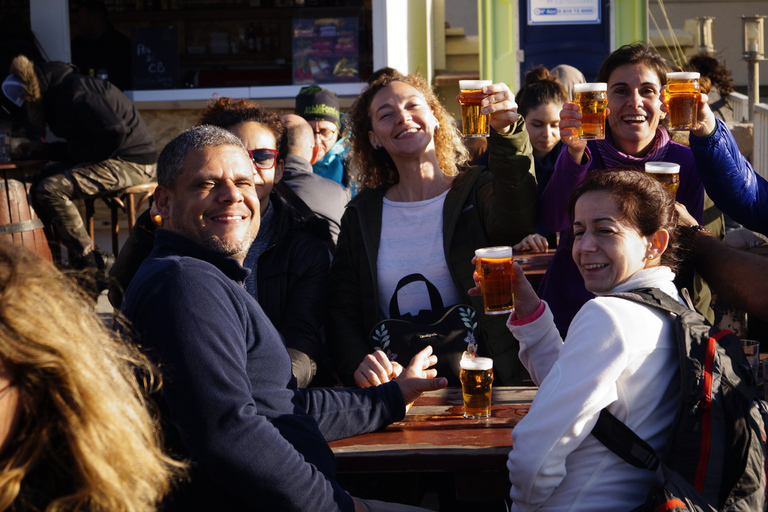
666 173
592 100
473 123
494 268
476 378
681 95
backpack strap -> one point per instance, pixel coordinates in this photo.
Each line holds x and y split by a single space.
611 431
623 441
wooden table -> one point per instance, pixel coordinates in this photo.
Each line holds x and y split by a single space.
534 263
434 437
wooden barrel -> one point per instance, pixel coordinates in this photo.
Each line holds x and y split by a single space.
19 223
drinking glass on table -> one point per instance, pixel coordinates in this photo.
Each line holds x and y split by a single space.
476 378
473 123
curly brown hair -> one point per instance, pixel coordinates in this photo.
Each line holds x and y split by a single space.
227 112
376 167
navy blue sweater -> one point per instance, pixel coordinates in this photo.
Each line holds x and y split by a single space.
256 441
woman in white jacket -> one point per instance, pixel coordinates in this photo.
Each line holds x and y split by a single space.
617 354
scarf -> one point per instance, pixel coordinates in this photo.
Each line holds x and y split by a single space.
612 157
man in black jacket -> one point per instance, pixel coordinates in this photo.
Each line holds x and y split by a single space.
106 146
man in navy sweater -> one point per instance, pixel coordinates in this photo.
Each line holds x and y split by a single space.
256 442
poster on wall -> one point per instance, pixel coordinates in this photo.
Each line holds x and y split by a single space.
325 50
560 12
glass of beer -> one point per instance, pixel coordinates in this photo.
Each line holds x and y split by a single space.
666 173
592 99
476 378
681 95
473 123
494 268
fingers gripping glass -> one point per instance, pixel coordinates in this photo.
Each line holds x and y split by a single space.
263 159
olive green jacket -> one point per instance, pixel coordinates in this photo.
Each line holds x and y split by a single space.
484 207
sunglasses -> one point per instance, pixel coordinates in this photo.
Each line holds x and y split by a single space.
263 159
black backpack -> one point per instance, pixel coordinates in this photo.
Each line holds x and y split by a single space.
717 449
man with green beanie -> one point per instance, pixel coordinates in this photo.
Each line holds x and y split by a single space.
320 107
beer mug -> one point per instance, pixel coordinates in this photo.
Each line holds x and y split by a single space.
494 268
681 95
592 99
473 123
666 173
476 378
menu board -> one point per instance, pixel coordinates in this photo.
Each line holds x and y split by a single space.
325 50
154 57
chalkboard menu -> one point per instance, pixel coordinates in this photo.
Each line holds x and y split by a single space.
154 58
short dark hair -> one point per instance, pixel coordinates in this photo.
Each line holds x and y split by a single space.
643 202
637 53
171 160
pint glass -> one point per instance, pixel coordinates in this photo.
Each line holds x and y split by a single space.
666 173
681 94
476 378
592 100
494 268
473 123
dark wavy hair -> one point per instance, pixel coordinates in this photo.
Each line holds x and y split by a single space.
710 68
375 167
643 202
540 88
637 53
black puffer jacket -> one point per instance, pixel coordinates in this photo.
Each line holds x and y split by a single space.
95 118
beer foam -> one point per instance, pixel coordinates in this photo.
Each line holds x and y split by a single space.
662 167
593 86
503 251
476 363
473 85
683 75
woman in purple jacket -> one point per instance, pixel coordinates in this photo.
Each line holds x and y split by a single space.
635 75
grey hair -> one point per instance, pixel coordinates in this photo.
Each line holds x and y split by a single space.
171 160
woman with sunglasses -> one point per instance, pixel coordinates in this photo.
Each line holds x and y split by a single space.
289 258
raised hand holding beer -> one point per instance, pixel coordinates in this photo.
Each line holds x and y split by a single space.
526 300
499 103
570 122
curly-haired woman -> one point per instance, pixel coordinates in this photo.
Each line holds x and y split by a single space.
423 210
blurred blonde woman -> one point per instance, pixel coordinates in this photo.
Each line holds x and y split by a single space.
75 431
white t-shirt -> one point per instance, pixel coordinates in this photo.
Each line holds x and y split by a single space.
412 242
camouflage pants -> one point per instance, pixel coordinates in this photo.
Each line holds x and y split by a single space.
54 196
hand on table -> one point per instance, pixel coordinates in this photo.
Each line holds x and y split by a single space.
376 369
534 242
526 300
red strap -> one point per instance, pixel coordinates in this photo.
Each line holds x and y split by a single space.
706 416
670 505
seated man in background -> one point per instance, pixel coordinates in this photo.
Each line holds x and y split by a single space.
324 197
106 146
320 107
255 440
